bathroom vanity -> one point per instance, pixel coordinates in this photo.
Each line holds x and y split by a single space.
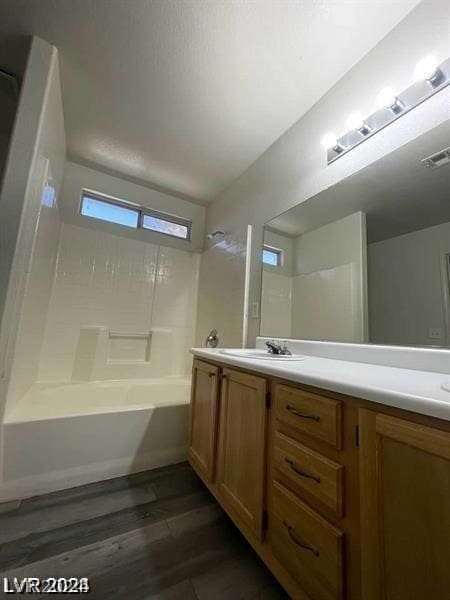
342 497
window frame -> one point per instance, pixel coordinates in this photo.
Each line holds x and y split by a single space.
85 193
176 220
279 253
141 211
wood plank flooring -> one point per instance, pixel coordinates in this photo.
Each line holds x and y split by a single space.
157 535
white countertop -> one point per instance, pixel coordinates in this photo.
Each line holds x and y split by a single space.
409 389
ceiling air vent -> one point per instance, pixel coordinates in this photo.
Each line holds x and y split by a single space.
438 159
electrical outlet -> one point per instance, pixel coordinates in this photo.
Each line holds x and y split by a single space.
255 310
435 333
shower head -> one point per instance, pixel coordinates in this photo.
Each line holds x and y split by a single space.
214 234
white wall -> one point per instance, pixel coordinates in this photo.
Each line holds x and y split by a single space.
294 168
126 286
29 230
78 177
408 287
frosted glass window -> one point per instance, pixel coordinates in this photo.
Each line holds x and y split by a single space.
271 257
160 225
106 211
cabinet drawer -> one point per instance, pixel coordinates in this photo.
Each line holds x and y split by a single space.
307 545
309 471
315 415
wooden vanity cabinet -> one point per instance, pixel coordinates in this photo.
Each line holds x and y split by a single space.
405 509
342 498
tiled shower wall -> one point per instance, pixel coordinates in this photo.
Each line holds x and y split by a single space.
122 284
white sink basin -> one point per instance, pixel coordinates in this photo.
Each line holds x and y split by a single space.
262 355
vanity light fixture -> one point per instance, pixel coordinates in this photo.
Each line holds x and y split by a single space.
357 122
430 78
387 98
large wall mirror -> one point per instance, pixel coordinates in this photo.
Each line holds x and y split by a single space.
367 260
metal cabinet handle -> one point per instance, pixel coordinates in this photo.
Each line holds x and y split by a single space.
211 374
297 413
294 537
298 471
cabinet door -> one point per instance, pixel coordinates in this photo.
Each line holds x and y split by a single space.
405 509
203 418
241 451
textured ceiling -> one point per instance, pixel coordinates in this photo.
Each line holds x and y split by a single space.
186 94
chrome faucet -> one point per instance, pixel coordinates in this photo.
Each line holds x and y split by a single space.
277 348
212 340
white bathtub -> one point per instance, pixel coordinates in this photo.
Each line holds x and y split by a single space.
60 436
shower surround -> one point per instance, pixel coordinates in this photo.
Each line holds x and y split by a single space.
119 309
144 295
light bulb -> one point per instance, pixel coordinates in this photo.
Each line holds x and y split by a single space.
386 98
355 120
427 68
329 141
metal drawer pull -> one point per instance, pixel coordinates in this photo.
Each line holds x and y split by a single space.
298 471
297 413
297 542
211 374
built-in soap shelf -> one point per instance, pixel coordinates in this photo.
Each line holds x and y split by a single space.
104 353
126 346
